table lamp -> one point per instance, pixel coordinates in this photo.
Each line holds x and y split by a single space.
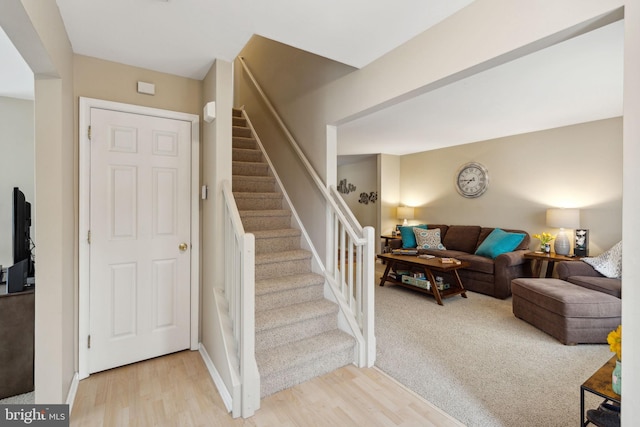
405 213
562 219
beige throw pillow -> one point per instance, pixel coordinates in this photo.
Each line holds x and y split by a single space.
428 239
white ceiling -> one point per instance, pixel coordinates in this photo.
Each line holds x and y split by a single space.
184 36
577 81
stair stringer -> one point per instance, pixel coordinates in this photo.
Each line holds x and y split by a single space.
346 319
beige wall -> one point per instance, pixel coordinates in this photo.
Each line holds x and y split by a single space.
111 81
576 166
16 165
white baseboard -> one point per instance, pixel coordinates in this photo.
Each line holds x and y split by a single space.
73 390
217 379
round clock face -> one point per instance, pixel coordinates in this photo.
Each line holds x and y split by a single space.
472 180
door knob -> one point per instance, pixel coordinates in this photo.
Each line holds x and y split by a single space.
183 247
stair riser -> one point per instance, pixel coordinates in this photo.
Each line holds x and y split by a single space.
241 131
251 169
244 143
275 269
240 184
296 331
239 121
257 204
289 297
280 380
265 222
247 156
277 244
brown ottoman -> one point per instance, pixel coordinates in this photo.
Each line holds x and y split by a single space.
568 312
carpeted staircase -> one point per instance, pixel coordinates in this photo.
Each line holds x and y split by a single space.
297 337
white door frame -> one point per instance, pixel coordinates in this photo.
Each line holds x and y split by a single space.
84 121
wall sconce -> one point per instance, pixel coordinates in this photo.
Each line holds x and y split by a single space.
563 218
405 213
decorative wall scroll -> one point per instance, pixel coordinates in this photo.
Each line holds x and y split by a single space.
345 188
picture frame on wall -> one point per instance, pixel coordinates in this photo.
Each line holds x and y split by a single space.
581 247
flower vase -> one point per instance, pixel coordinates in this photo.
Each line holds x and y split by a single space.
616 378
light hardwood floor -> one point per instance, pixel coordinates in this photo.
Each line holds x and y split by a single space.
176 390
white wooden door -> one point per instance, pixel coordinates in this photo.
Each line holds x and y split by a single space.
140 214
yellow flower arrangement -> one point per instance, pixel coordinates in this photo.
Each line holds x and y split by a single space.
615 341
544 238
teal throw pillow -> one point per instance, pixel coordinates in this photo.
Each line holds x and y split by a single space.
499 242
408 237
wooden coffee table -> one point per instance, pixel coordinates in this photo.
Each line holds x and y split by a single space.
428 266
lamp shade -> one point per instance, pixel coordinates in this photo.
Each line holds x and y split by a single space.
563 218
405 212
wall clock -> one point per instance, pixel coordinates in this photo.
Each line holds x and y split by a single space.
472 180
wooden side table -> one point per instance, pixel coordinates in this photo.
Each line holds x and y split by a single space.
388 237
537 258
599 384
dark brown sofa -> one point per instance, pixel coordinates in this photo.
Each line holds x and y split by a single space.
484 275
580 306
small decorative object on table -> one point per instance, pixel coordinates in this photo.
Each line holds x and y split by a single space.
581 248
615 344
545 241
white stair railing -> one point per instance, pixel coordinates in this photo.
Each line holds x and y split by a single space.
351 268
239 291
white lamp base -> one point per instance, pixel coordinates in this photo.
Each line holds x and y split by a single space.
405 223
562 245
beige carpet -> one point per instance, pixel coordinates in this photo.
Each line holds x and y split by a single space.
479 363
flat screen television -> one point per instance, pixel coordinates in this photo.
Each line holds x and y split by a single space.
21 231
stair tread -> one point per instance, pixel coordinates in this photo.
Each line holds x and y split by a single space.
253 178
248 150
282 357
257 195
284 283
295 313
273 257
245 163
265 212
279 232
